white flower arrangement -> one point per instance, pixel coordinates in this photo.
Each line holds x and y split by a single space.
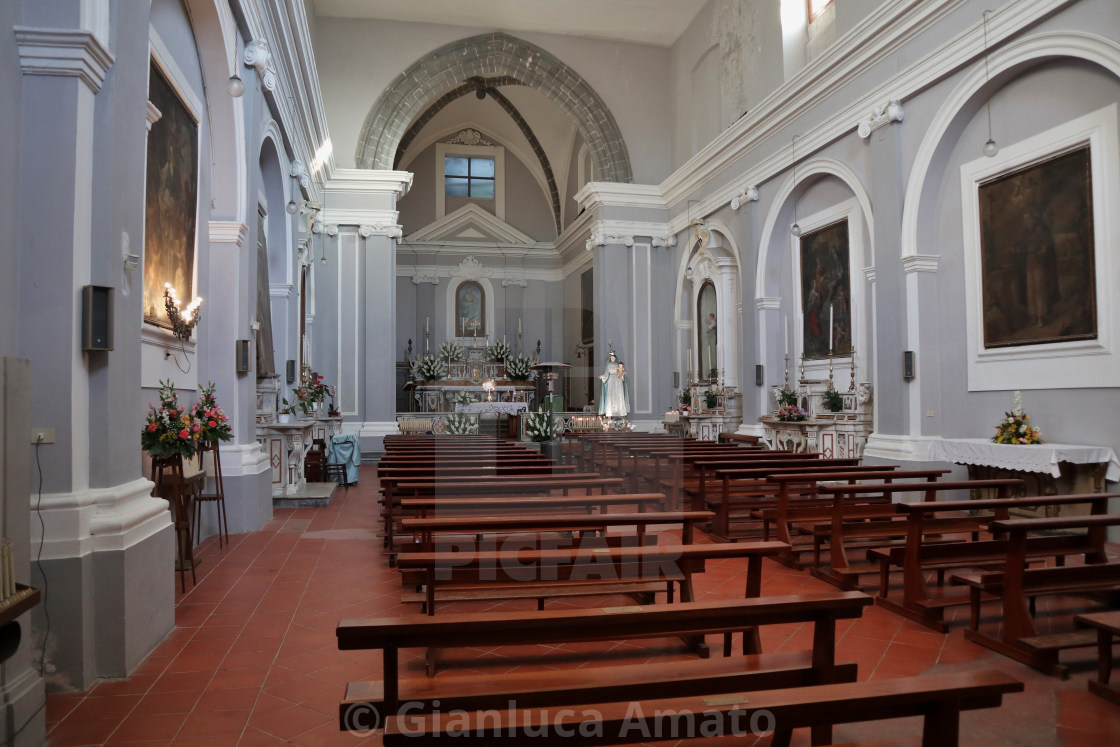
451 351
429 368
519 368
498 352
464 398
461 425
539 426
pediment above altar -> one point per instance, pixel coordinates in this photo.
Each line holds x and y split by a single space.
470 223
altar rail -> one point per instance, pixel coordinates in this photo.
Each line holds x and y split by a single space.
436 422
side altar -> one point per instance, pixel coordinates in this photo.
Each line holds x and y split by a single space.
707 421
833 434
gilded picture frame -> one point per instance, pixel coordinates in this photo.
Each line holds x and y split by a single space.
826 290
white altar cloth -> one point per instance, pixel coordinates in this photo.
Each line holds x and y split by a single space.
505 408
1023 457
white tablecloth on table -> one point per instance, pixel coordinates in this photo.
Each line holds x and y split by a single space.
1023 457
506 408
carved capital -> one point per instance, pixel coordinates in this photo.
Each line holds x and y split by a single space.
67 53
743 196
920 263
153 115
425 277
521 281
257 55
881 116
601 238
665 241
299 171
392 230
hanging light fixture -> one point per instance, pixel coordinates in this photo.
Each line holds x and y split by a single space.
990 147
292 207
794 229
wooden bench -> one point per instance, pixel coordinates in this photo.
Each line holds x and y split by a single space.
425 529
430 505
1019 637
575 571
740 438
1106 625
381 698
920 555
937 698
855 523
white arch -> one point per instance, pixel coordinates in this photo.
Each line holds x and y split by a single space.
815 167
1079 45
452 288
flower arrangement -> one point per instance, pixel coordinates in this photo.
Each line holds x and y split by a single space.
790 413
832 400
463 398
710 399
785 396
289 408
214 425
332 409
170 430
429 368
313 389
499 352
461 425
538 425
519 368
1015 428
685 399
451 352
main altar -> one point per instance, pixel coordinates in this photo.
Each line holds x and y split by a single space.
834 435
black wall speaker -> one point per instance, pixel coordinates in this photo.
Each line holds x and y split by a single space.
97 317
758 375
242 356
290 370
676 379
908 364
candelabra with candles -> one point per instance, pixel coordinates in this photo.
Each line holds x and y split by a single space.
182 322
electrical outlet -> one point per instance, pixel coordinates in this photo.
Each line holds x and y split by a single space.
42 435
929 413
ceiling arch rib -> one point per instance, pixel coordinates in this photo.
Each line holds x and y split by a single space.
492 55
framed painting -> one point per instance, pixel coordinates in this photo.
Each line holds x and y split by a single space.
826 291
1037 264
171 199
707 332
470 310
587 306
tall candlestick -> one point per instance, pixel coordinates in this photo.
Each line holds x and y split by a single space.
830 328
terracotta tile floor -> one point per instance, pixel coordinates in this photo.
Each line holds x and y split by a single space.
252 659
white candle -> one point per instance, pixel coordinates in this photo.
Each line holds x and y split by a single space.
830 328
518 325
689 365
427 319
786 335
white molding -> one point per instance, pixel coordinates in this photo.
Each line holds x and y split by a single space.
153 115
920 263
768 302
244 459
99 519
258 56
450 226
743 196
619 194
606 232
281 290
1075 364
65 53
897 448
372 428
228 232
358 217
162 56
390 230
881 116
369 181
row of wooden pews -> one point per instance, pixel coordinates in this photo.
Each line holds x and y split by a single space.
463 522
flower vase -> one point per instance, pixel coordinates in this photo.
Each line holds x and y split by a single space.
284 417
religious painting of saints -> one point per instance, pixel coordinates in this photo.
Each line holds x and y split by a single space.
708 338
587 306
1037 253
826 291
470 310
171 200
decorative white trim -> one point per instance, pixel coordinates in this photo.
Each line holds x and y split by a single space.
743 196
244 459
515 278
392 230
372 429
920 263
451 226
257 55
354 217
420 274
622 232
869 273
897 448
153 115
668 241
1073 364
299 171
228 232
880 116
99 519
468 136
682 324
419 278
369 180
768 302
280 290
618 194
67 53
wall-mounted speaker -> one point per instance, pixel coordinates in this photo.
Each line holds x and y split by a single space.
290 371
758 374
676 379
908 364
241 356
97 317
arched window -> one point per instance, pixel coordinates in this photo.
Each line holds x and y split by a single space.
470 310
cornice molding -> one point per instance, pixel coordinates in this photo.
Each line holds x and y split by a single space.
391 230
920 263
64 53
350 217
768 302
622 232
152 114
280 290
422 274
368 180
614 194
228 232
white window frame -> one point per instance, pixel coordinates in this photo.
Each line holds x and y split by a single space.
496 152
1067 365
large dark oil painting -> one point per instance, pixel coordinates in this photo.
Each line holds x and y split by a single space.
826 287
171 200
1036 247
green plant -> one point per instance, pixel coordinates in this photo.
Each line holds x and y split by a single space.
332 409
710 399
685 397
832 400
289 408
786 397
